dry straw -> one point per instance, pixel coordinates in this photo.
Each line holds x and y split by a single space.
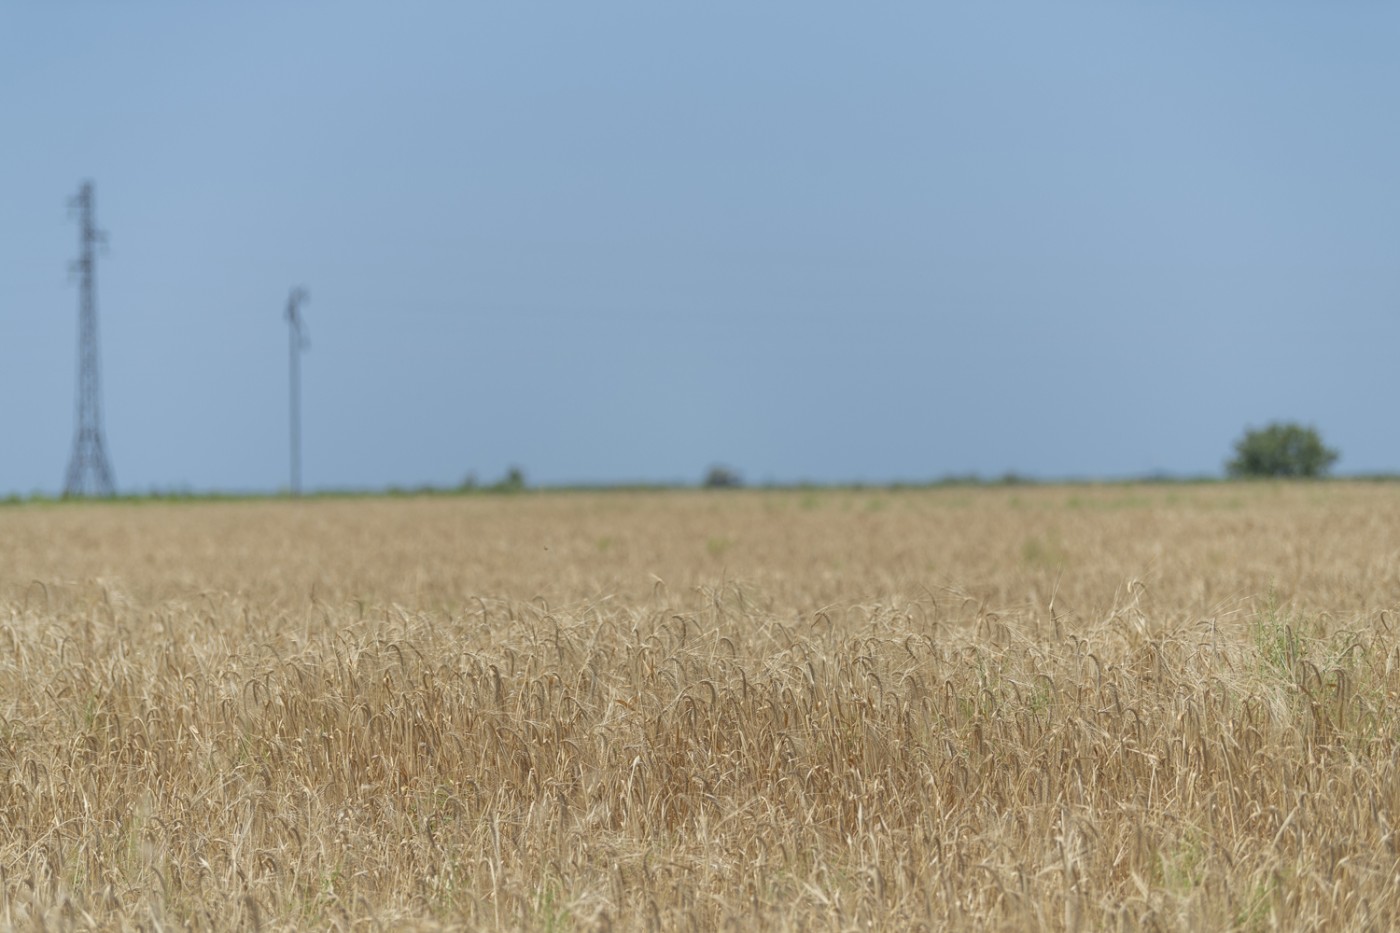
1116 708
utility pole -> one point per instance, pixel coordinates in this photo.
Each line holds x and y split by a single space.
88 470
298 342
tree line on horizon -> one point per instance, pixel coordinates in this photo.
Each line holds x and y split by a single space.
1279 450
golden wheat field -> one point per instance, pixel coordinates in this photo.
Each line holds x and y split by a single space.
1119 707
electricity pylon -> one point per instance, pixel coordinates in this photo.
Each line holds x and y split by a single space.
298 342
88 469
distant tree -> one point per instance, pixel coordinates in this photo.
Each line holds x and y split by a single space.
1281 449
722 477
513 481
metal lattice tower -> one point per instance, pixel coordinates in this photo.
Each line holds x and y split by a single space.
298 342
88 470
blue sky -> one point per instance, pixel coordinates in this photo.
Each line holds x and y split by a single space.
623 241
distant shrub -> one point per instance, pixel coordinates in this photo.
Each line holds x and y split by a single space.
722 477
513 481
1281 449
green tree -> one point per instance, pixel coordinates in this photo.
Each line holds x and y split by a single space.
1281 449
513 481
722 477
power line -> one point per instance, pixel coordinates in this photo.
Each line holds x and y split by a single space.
88 470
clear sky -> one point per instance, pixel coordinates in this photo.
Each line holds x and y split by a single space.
622 241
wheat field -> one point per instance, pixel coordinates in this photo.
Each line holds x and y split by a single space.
1062 708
